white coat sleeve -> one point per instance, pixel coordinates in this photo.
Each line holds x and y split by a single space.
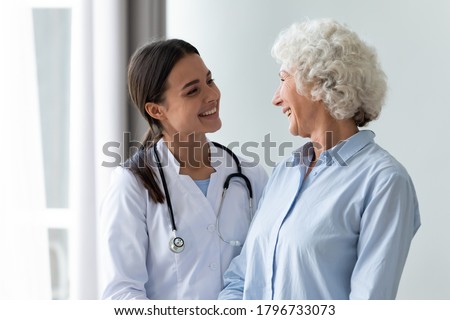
124 238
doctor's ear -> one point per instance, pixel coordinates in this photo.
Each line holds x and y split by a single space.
155 110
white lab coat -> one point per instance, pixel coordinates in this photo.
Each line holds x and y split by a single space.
135 231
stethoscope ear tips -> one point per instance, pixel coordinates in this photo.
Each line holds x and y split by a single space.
176 244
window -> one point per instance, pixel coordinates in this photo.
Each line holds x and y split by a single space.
34 94
52 41
53 182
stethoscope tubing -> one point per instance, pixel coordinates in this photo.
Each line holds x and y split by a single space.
166 190
239 169
176 244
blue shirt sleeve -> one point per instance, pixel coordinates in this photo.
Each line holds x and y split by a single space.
387 228
234 278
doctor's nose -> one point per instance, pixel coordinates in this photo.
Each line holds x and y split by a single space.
276 100
213 94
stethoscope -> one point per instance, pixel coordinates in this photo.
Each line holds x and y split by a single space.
176 243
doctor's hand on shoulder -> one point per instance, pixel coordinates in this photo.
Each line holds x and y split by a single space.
178 210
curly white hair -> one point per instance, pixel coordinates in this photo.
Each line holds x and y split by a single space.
332 64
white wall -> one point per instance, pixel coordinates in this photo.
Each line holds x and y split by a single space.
413 42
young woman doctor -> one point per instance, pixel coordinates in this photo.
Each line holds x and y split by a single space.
169 230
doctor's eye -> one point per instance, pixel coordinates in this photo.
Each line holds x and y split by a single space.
210 82
192 91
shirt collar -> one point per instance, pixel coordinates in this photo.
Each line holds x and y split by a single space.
349 147
343 151
167 158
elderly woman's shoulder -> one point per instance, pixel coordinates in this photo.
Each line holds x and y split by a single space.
381 162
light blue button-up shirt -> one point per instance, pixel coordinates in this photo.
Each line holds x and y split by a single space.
342 233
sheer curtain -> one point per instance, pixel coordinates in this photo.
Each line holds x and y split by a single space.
82 198
24 270
118 28
105 33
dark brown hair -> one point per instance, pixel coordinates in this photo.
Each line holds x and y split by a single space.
148 71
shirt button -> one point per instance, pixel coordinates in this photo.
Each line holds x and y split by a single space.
211 228
213 266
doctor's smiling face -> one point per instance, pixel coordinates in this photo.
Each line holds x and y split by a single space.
190 103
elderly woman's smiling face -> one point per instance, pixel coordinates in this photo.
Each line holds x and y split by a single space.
301 111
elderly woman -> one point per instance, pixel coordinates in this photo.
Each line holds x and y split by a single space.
337 218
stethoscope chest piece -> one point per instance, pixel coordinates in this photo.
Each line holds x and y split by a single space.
176 244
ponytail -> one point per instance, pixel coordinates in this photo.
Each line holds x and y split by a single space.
148 71
139 165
